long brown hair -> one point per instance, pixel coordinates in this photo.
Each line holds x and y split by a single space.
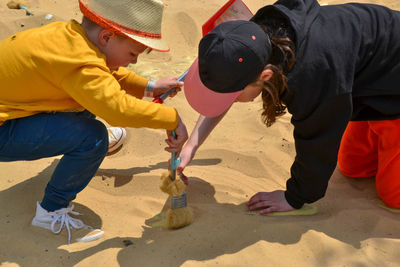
281 62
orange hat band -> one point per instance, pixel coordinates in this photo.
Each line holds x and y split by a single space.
112 26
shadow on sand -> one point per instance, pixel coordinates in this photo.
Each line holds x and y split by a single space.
213 233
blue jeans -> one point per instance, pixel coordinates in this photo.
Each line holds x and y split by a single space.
78 136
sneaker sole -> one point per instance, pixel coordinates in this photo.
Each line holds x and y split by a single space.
93 234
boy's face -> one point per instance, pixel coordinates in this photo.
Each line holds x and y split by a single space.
120 51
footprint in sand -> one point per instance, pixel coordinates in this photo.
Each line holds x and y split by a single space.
188 28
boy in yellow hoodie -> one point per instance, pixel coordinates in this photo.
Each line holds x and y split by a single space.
54 78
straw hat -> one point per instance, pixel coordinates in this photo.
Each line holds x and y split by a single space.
139 20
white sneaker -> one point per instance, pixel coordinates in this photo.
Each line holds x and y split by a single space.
116 137
55 221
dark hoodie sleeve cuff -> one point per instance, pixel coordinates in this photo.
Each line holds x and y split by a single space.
293 201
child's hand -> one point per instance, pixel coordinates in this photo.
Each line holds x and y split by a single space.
175 144
166 84
186 155
183 177
269 202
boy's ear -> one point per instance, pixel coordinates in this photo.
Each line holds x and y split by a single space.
266 75
105 36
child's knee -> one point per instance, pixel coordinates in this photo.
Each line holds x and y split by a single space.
97 137
392 201
388 190
365 171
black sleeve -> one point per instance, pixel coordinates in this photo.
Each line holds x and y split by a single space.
317 140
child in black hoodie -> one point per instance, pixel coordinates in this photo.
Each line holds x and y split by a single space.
331 67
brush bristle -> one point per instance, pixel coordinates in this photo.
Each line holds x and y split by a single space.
172 188
178 218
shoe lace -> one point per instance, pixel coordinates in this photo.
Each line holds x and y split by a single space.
61 216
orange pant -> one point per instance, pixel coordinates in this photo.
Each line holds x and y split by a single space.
372 148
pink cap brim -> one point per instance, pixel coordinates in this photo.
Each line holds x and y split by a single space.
205 101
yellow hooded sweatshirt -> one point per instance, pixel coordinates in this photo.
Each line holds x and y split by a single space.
56 68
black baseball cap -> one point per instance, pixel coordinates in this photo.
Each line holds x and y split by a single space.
231 56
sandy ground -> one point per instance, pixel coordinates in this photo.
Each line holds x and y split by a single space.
241 158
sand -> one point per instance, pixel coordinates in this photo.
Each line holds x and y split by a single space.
241 158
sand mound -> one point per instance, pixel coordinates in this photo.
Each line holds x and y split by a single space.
241 158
